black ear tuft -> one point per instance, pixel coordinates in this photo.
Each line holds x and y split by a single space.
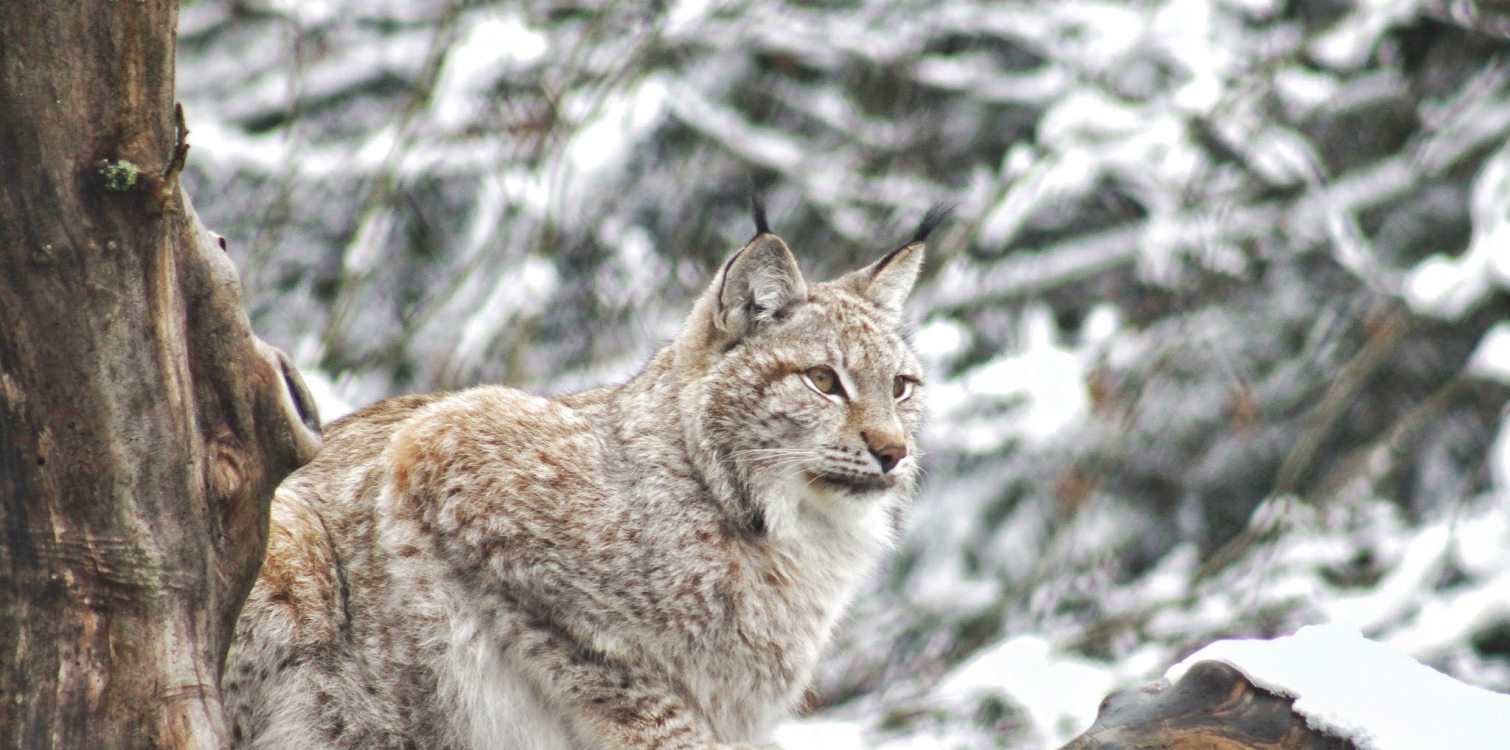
757 207
931 220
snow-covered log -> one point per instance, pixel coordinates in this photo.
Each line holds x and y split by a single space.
1324 687
1213 706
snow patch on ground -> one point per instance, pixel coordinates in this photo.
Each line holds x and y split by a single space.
820 734
1061 694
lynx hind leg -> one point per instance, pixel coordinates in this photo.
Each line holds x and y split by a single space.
291 620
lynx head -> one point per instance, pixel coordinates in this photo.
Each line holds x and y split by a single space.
802 397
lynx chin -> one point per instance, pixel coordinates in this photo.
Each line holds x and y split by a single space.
657 564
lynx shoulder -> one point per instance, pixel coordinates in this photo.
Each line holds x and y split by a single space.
657 564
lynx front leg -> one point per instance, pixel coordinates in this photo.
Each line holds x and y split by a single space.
606 703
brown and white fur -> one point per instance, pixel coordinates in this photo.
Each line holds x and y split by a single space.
657 564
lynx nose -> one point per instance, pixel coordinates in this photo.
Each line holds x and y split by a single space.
889 455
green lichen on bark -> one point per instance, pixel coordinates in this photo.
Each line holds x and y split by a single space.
120 175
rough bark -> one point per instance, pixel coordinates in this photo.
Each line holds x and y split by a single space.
142 426
1213 707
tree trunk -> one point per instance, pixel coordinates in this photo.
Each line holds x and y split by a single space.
142 426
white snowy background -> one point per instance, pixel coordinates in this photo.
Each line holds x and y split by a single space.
1219 339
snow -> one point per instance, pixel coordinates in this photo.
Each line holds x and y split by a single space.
1350 42
1047 181
1375 696
1303 90
521 291
1477 542
1450 287
1061 694
1499 458
1043 379
684 15
365 251
1491 358
495 44
940 342
819 734
328 399
981 79
759 145
616 126
1402 589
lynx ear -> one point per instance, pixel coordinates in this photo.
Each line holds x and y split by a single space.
887 282
760 281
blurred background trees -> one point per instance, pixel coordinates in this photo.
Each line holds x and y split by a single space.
1199 335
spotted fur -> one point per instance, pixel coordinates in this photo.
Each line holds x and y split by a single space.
651 565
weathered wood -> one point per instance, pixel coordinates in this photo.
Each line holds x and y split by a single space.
142 426
1213 707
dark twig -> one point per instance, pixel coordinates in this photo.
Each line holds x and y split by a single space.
1339 395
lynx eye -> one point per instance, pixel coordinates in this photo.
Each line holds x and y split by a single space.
901 388
824 380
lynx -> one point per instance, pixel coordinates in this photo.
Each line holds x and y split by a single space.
657 564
